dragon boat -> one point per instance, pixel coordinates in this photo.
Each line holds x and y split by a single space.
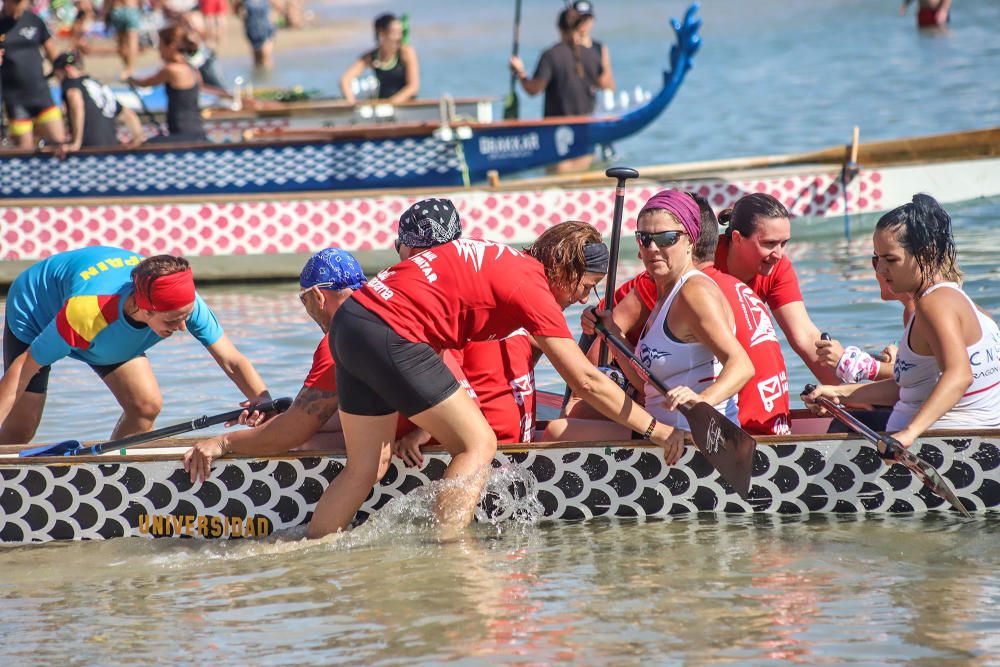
396 155
147 493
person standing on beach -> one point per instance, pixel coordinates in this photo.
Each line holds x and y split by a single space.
124 18
26 97
395 64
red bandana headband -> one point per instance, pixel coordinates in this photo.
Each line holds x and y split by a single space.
170 292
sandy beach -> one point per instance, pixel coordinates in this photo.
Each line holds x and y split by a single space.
103 62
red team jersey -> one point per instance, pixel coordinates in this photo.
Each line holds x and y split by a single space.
763 401
463 291
501 374
778 288
323 374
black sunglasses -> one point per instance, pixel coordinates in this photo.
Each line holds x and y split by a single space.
661 239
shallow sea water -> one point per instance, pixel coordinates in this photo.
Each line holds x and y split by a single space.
772 76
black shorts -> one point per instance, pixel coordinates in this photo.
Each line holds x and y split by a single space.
380 372
25 105
13 347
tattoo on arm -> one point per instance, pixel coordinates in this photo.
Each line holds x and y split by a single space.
317 402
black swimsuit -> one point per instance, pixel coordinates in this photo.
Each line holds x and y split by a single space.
391 76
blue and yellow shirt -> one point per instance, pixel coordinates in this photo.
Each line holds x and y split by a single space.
71 305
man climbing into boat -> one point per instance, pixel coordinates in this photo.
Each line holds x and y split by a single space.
327 280
500 372
386 345
92 109
105 306
763 401
688 340
947 371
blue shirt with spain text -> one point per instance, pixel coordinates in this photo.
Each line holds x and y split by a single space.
71 304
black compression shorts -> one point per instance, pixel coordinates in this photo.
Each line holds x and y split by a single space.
380 372
25 105
13 347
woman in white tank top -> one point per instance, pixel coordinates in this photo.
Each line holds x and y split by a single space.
947 372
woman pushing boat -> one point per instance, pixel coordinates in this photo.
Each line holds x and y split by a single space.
387 338
105 306
395 64
947 370
689 340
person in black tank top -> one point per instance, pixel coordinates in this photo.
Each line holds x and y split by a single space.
183 84
394 63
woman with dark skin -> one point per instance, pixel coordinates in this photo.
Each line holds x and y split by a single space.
395 64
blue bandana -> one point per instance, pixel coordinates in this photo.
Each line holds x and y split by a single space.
333 269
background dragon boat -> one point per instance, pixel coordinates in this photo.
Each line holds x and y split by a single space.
147 493
268 235
418 154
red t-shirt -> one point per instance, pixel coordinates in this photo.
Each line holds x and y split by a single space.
763 401
500 372
323 374
463 291
778 288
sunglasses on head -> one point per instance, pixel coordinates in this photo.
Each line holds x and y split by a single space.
661 239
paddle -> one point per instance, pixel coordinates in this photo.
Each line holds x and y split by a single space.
150 118
890 448
74 448
621 174
511 105
724 444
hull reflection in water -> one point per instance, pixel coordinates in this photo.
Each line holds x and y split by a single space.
148 493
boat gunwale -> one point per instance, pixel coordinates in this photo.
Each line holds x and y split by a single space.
8 460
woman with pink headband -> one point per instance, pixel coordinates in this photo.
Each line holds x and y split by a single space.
689 341
106 307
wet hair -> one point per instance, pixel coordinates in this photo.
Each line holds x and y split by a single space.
151 268
383 21
742 217
178 36
560 250
708 238
923 228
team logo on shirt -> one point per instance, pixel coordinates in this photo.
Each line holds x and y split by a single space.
772 389
474 251
28 32
901 367
761 326
647 355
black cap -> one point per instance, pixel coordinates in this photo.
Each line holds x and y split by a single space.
584 7
62 60
428 223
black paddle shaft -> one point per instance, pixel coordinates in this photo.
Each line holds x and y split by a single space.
726 446
621 175
890 448
277 405
145 110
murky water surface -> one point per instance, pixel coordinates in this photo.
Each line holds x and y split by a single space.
772 76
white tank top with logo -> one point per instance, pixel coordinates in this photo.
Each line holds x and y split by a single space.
917 376
678 364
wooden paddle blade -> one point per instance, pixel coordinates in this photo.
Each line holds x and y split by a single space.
726 446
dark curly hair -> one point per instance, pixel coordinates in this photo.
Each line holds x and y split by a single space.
923 228
560 250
